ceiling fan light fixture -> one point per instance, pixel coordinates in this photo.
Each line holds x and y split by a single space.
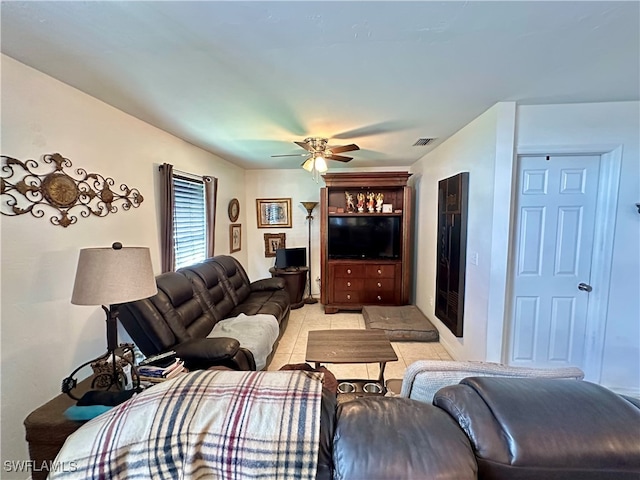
308 164
321 164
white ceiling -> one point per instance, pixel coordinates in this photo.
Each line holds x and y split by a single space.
246 79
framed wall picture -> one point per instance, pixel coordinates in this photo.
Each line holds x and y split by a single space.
274 212
235 237
234 210
272 242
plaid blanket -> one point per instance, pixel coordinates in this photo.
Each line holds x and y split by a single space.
205 424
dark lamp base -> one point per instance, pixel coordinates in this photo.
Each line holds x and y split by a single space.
310 300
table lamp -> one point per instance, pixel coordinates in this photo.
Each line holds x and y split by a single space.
108 277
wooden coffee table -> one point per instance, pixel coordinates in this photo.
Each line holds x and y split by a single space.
350 346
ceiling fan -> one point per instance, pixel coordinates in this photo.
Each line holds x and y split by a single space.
318 152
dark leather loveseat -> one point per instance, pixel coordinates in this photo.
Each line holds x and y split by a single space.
486 428
191 301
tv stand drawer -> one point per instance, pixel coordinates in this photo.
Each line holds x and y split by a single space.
349 270
341 296
381 271
379 284
349 284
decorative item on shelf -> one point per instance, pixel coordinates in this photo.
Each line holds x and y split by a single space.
309 206
370 201
339 210
272 242
334 209
235 237
379 200
274 212
350 207
90 194
109 277
387 208
234 210
361 198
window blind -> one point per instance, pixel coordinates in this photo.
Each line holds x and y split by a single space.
189 222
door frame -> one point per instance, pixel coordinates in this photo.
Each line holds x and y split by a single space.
601 257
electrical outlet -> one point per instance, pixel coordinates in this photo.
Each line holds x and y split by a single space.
431 301
473 258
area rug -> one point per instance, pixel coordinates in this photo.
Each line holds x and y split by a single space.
401 324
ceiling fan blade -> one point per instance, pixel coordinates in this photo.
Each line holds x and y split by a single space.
340 158
292 155
375 129
304 145
344 148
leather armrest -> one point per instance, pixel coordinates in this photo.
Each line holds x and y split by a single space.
206 352
267 284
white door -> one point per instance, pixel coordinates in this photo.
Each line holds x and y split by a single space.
556 206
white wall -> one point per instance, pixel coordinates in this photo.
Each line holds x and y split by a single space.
300 187
486 148
44 337
605 124
473 150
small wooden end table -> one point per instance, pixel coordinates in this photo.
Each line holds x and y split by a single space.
350 346
295 282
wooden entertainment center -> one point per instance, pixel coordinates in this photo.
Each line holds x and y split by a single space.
365 256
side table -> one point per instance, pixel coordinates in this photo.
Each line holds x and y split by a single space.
352 346
295 281
47 428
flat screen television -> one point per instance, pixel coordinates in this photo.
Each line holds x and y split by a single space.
366 237
291 257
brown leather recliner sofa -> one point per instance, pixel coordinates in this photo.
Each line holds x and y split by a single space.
489 429
189 303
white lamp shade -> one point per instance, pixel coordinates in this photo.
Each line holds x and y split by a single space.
308 165
107 276
321 165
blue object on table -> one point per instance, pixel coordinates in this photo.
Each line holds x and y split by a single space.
85 413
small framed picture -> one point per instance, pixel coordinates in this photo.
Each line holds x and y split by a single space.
274 212
387 208
235 237
272 242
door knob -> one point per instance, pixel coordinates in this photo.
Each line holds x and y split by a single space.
585 287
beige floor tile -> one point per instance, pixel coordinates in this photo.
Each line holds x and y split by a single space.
343 322
297 358
312 317
319 322
287 343
297 313
278 360
348 370
392 370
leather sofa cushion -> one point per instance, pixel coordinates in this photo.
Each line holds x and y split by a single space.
393 437
545 428
269 302
181 310
235 278
208 288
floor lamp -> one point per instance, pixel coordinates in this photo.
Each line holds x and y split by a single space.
310 206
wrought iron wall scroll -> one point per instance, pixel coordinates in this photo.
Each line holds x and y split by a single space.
24 191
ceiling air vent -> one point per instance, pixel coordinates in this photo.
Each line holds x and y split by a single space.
421 142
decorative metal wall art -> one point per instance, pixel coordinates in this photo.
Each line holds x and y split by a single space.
24 191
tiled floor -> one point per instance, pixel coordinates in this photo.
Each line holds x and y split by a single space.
293 344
